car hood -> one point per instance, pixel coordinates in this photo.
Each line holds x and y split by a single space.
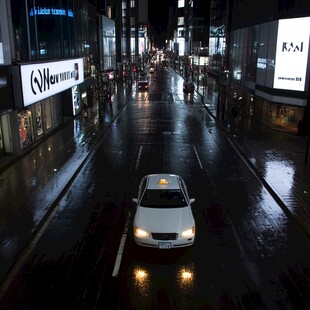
164 220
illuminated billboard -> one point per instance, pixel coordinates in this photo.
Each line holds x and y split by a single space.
43 80
292 54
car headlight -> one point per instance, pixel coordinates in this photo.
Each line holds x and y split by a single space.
188 233
140 232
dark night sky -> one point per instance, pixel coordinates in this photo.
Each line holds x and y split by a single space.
159 13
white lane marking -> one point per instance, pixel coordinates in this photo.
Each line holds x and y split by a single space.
26 253
139 157
198 158
121 248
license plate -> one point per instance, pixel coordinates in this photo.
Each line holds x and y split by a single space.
164 245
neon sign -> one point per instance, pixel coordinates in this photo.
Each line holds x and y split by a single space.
39 11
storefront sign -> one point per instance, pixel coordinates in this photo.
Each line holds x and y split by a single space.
40 81
37 11
1 54
292 54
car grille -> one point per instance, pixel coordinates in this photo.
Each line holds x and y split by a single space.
165 236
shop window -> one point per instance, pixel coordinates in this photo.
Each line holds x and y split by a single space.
25 128
285 114
47 113
38 122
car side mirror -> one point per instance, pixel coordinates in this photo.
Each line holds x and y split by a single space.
192 200
135 200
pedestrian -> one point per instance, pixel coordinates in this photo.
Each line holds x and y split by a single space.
234 111
300 128
85 114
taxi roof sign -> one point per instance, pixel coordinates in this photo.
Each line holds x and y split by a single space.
163 182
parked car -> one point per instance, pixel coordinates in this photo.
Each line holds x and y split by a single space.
188 86
163 217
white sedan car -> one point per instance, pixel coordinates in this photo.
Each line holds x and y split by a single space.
163 216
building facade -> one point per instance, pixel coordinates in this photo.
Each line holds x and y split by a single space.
46 59
51 57
268 61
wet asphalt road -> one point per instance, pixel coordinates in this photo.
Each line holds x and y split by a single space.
247 255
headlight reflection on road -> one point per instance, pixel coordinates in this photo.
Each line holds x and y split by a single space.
142 281
140 275
185 281
185 276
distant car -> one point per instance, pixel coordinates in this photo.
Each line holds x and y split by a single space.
152 69
110 73
143 85
188 86
164 63
163 217
143 75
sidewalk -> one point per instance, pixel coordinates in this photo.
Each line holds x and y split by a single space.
29 184
277 157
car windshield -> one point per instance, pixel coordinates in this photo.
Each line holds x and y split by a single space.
158 198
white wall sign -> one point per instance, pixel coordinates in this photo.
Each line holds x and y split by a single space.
40 81
292 53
